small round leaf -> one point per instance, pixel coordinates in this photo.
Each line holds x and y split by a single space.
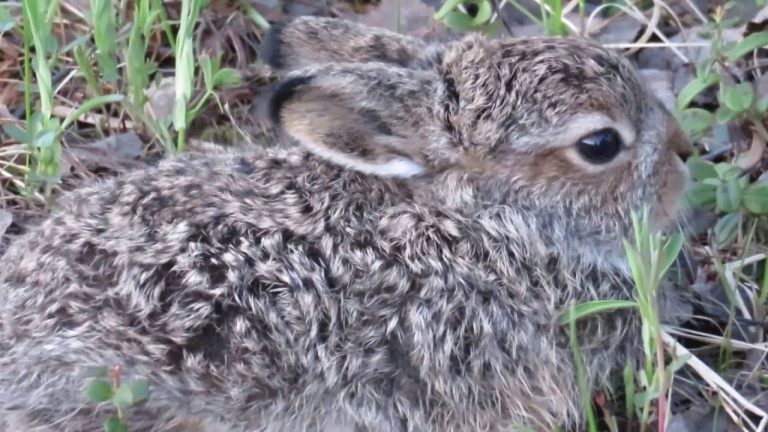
140 389
702 195
701 169
113 424
724 114
739 98
696 122
726 228
98 391
729 196
123 397
693 88
458 20
727 171
756 198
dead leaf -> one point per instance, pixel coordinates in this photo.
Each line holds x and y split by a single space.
414 16
91 118
754 155
81 8
5 115
9 96
620 29
115 153
161 97
701 417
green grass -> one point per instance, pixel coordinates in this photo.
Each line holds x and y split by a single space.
111 57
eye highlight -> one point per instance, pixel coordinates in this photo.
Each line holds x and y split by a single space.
600 147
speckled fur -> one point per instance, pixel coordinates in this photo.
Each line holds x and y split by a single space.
280 291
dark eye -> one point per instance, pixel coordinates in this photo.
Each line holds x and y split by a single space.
600 147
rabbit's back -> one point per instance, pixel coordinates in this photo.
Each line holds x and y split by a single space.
254 289
192 274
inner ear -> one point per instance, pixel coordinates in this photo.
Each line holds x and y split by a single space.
337 127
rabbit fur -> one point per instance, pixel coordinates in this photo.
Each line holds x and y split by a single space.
402 267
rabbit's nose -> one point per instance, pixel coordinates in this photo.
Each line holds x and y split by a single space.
678 141
684 154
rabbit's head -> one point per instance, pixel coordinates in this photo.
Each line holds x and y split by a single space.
559 127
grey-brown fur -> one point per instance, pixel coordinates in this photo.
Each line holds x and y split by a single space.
283 291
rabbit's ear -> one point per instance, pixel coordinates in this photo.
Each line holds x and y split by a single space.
308 40
370 118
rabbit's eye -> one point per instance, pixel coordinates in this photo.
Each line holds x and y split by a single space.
600 147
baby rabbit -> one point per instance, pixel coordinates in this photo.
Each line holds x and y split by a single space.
403 268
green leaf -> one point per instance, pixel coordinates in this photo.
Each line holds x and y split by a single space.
642 398
695 121
635 264
678 363
704 68
673 367
254 14
123 397
140 389
726 228
226 77
747 45
448 6
44 85
739 98
98 390
113 424
762 105
671 251
44 138
17 133
90 105
693 88
7 21
103 15
484 12
729 196
702 195
727 171
458 20
701 169
207 68
725 115
730 22
594 307
756 198
629 388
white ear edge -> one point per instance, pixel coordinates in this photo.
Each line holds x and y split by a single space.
398 167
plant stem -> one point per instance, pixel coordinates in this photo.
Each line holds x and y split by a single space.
661 367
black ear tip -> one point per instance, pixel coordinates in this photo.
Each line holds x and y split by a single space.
269 50
284 91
